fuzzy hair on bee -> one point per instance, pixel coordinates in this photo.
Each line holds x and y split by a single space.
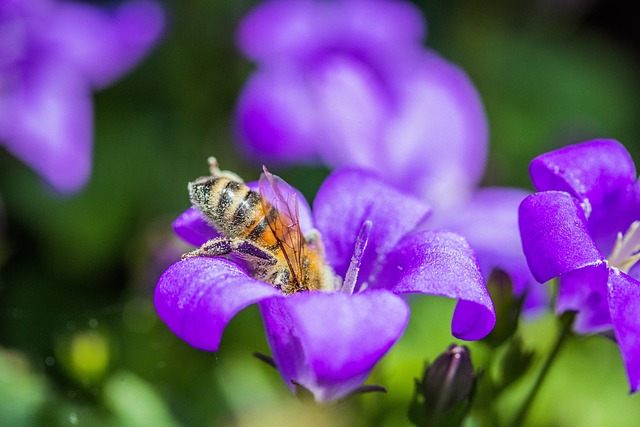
263 229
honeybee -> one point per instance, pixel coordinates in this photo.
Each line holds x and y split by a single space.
262 228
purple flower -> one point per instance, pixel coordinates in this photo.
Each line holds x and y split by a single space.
349 83
52 55
582 226
328 341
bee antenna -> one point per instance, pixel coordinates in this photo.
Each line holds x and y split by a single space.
214 168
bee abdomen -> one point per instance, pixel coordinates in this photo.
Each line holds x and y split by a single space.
247 212
234 209
262 233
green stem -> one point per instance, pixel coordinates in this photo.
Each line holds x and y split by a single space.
566 323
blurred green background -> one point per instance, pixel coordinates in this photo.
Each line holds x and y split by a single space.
80 343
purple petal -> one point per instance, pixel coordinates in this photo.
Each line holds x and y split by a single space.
489 222
285 28
51 54
101 43
600 170
336 107
46 121
624 305
555 238
275 118
329 342
585 291
353 106
347 199
436 143
193 228
423 124
602 175
365 112
197 297
442 263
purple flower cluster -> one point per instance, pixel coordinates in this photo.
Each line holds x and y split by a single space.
328 342
349 83
53 54
583 227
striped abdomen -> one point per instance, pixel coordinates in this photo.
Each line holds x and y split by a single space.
234 210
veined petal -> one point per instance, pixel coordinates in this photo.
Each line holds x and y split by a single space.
442 263
601 171
193 228
197 297
347 199
329 342
585 291
624 305
555 237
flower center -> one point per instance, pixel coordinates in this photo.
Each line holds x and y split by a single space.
626 251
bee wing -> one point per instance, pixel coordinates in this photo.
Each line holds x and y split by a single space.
276 193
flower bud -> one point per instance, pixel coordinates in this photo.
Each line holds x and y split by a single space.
444 394
507 305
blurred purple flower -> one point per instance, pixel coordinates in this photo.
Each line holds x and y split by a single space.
52 55
328 342
348 82
588 205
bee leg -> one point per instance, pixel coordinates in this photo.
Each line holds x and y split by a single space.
223 246
213 247
280 280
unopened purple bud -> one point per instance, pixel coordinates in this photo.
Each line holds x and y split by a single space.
449 380
444 394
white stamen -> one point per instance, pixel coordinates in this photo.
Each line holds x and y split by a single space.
626 251
351 277
586 206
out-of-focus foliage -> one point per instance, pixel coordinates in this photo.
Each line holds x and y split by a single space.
21 390
80 343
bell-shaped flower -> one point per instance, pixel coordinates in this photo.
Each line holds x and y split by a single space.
582 226
329 341
53 54
349 83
